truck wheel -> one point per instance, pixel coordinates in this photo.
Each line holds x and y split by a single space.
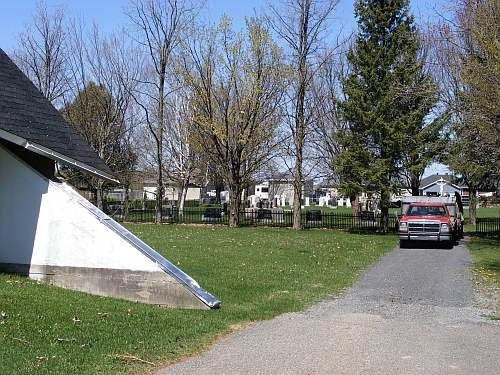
403 244
449 244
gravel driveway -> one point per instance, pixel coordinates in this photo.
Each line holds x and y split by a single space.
410 313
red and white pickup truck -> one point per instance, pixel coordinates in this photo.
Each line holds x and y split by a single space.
430 219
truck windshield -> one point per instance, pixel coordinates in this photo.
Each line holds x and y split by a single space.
426 211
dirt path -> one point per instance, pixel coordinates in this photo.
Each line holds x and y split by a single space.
411 313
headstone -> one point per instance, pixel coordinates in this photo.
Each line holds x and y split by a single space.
367 216
211 214
314 216
166 212
264 215
348 203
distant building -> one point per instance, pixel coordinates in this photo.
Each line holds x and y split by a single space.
441 185
171 192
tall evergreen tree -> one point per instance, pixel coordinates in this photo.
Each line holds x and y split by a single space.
387 99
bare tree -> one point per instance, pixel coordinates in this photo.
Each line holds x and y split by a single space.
303 26
182 156
115 64
43 50
158 27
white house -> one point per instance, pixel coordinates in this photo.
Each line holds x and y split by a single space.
49 232
171 192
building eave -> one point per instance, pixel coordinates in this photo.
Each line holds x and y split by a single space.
44 151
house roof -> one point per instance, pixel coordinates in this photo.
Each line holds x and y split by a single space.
28 119
430 180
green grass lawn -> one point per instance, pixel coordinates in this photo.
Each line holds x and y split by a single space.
256 273
485 254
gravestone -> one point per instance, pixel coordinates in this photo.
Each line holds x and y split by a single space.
314 217
211 214
264 215
322 201
367 216
167 212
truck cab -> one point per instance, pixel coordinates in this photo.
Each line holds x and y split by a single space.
429 219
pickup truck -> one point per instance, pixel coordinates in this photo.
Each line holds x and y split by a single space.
430 219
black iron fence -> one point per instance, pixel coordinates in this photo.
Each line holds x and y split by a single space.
488 226
254 217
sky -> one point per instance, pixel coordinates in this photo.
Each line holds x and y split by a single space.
109 15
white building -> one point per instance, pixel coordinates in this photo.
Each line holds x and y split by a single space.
52 234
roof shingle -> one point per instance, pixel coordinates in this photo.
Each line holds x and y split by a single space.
26 113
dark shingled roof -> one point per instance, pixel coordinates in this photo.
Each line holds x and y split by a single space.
429 180
32 121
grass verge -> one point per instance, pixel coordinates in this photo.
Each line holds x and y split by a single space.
485 254
257 273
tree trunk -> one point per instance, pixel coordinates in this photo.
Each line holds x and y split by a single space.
297 175
127 199
415 184
184 189
99 197
159 198
384 211
218 191
297 204
472 207
159 143
234 213
384 220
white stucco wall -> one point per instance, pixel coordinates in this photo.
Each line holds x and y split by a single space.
51 233
69 235
21 191
43 223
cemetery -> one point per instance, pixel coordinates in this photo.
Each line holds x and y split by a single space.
266 214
